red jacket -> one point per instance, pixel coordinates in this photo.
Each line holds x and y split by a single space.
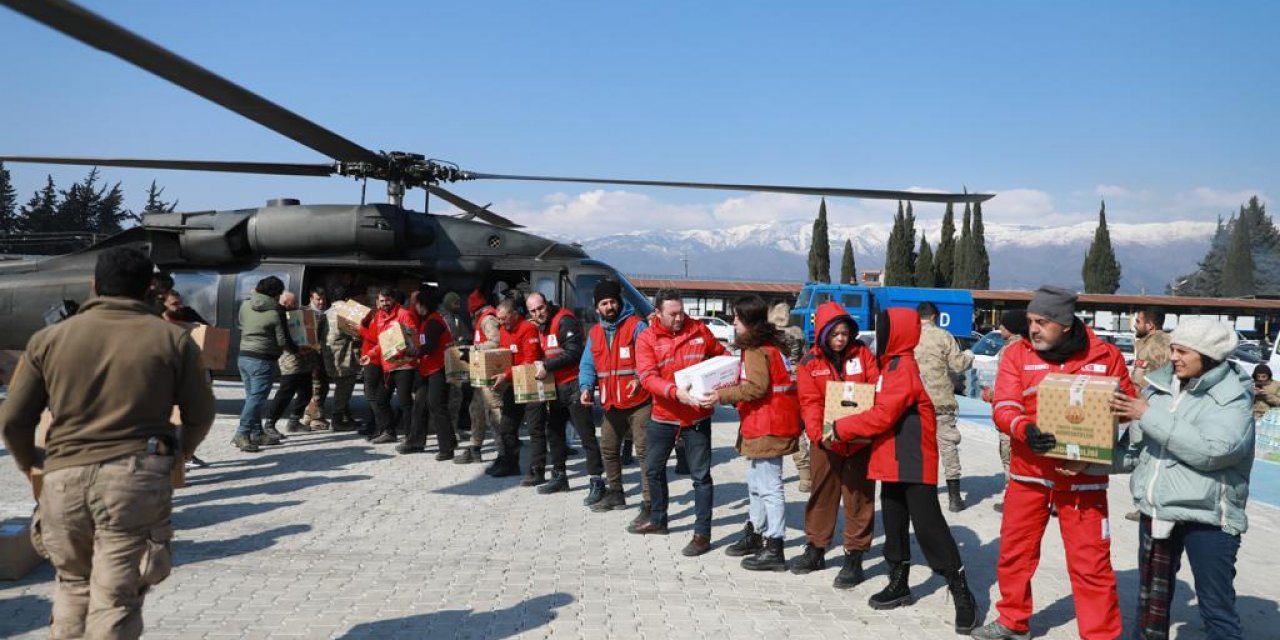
816 370
431 360
382 320
523 343
369 340
660 353
778 412
1021 371
902 424
616 366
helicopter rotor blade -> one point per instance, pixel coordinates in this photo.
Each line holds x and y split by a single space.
472 208
96 31
872 194
268 168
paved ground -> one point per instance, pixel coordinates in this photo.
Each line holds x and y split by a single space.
330 537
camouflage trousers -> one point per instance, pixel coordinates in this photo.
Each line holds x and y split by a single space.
801 458
949 443
486 413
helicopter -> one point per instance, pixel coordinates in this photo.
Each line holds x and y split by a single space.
216 257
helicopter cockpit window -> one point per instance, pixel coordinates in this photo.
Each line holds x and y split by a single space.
199 291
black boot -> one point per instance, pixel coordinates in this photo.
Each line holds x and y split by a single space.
559 482
813 559
851 574
749 544
769 558
595 493
897 593
966 608
503 467
955 503
269 429
468 456
613 499
535 477
643 515
626 457
386 437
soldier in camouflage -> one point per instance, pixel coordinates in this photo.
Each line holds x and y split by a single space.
939 356
780 316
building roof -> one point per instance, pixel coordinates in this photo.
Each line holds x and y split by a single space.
1167 302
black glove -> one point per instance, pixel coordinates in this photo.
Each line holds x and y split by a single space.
1039 441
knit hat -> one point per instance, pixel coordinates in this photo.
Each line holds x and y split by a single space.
1054 303
1207 337
476 302
1015 320
450 299
606 289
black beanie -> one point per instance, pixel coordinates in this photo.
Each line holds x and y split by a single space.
1015 320
606 289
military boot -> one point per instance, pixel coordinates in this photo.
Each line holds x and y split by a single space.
813 559
468 456
769 558
750 543
613 499
535 477
955 502
595 491
851 574
558 483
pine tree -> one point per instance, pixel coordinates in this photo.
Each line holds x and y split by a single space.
1237 273
155 204
1101 270
820 248
960 278
979 262
944 259
76 211
897 257
108 212
40 213
926 275
848 271
10 222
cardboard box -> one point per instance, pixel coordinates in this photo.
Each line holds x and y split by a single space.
214 343
846 399
488 364
350 314
709 375
1077 411
456 370
394 342
17 554
302 328
8 366
527 388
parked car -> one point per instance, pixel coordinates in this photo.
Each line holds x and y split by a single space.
1125 341
1248 356
720 328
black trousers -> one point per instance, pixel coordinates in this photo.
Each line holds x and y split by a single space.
513 414
373 389
430 407
460 406
908 504
547 421
401 383
294 394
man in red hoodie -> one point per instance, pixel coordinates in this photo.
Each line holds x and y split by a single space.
1059 343
672 342
521 337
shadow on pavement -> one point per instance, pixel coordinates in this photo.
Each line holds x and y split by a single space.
268 488
25 613
468 623
203 516
190 552
281 460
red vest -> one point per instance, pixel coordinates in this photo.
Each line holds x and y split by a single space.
429 363
616 366
551 348
524 343
479 337
778 413
381 321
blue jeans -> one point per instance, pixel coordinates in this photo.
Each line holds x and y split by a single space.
258 375
768 505
1211 552
660 440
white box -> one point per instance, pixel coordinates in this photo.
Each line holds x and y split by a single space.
709 375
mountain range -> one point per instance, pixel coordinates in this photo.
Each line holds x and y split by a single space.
1022 256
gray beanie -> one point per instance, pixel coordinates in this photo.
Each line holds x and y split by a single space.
1208 337
1054 303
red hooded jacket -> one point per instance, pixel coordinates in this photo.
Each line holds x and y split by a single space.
369 340
816 370
382 320
660 353
902 424
1021 371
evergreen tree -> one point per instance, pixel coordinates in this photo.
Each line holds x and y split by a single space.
960 278
979 262
78 208
10 222
820 248
944 259
1237 272
1101 270
926 275
909 237
108 213
848 272
40 213
155 204
1206 280
897 257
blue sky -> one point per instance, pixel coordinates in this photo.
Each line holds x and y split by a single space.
1166 108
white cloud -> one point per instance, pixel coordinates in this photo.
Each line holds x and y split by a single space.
1219 199
1112 191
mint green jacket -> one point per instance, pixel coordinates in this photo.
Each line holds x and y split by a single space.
1192 451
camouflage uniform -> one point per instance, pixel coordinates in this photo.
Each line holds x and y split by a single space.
938 355
1150 352
342 365
779 315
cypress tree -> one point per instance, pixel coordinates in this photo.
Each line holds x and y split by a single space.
10 222
979 262
909 241
1101 270
848 272
820 248
944 259
1237 273
896 255
926 275
960 278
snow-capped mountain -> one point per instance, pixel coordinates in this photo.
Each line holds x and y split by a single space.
1150 255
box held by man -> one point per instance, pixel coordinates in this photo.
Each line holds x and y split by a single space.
456 369
528 388
350 314
302 328
487 365
707 376
394 342
1076 409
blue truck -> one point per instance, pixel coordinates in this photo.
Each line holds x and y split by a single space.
955 306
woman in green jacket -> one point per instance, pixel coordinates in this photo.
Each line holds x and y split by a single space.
1190 447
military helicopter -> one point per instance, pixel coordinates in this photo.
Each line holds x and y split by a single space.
216 257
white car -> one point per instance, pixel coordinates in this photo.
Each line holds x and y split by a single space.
1125 341
720 328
